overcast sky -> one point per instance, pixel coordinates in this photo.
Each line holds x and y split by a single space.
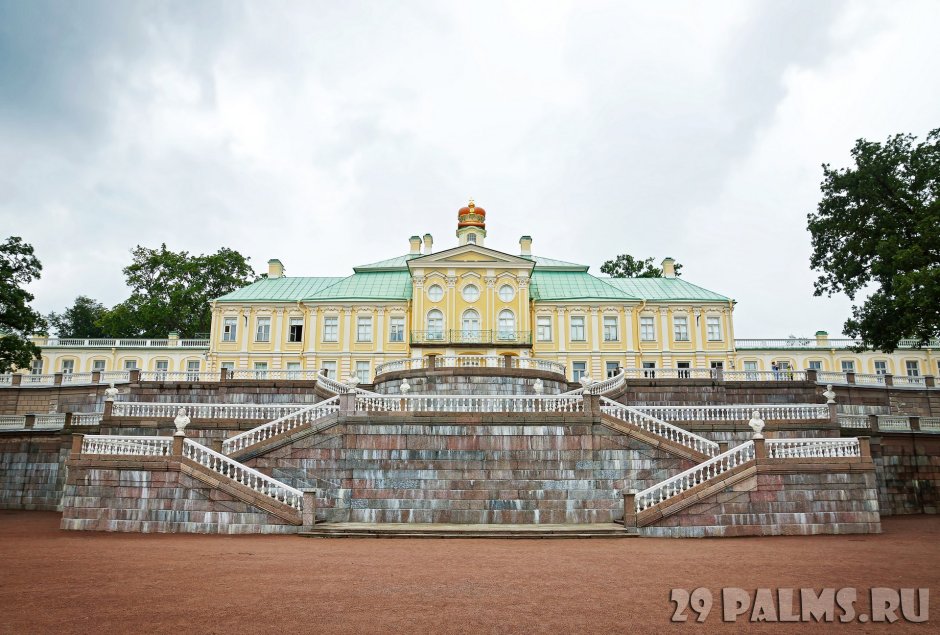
326 134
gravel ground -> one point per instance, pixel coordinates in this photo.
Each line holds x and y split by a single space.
85 582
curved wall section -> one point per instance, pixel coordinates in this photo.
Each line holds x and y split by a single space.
471 381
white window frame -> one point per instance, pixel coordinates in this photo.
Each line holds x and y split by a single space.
396 329
543 328
611 328
261 370
680 328
435 333
847 365
506 325
98 365
131 364
293 370
35 368
330 367
818 364
612 368
363 328
884 367
330 328
229 329
647 328
363 369
193 368
161 366
294 322
262 329
435 293
912 371
68 370
713 328
576 372
474 295
577 331
509 296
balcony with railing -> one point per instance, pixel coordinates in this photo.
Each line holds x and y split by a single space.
471 337
812 343
123 342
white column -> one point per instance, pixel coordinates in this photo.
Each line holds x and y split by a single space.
310 333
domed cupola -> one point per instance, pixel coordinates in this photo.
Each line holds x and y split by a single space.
471 224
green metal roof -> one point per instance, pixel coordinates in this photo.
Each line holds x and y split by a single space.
551 263
399 262
572 285
663 289
379 285
279 289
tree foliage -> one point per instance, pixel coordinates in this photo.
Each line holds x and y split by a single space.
626 266
82 319
878 227
171 291
18 267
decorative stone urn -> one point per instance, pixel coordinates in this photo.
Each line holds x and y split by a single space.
352 381
830 394
757 425
111 393
181 421
586 381
405 387
538 387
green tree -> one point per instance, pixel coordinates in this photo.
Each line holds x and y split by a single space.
877 229
18 267
79 320
171 291
626 266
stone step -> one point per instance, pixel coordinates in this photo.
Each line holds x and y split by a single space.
441 530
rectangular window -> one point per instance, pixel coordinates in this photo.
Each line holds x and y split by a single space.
649 369
364 328
36 367
913 368
881 367
263 330
330 368
162 366
543 328
613 368
815 364
130 364
610 328
331 328
577 328
295 332
680 328
751 369
848 366
396 330
684 372
228 366
293 370
647 329
261 370
193 367
98 365
716 365
362 372
713 328
579 369
68 366
229 329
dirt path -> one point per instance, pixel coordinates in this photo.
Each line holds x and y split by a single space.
83 582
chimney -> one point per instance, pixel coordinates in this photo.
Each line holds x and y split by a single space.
275 268
415 245
428 242
525 246
669 267
822 339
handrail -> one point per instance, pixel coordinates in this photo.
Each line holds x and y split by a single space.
332 385
813 448
162 410
648 423
608 385
469 403
240 473
86 418
112 342
705 471
469 361
281 425
738 412
12 422
178 375
127 445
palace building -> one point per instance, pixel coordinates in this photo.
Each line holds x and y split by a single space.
469 301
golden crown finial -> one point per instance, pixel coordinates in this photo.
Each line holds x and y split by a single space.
471 205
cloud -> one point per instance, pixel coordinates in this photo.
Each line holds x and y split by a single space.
326 134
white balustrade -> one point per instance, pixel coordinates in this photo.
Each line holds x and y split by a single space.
6 380
52 421
669 373
111 342
332 385
764 375
155 410
12 422
830 377
812 448
37 380
281 425
738 412
864 379
470 403
658 427
115 376
250 478
894 423
534 363
127 445
263 375
930 424
906 381
469 361
76 378
853 421
608 385
178 375
86 418
699 474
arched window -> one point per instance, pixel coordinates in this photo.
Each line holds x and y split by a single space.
435 325
470 324
507 325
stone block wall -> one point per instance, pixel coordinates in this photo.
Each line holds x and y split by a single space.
471 381
908 471
829 499
697 392
889 400
32 470
469 469
154 496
